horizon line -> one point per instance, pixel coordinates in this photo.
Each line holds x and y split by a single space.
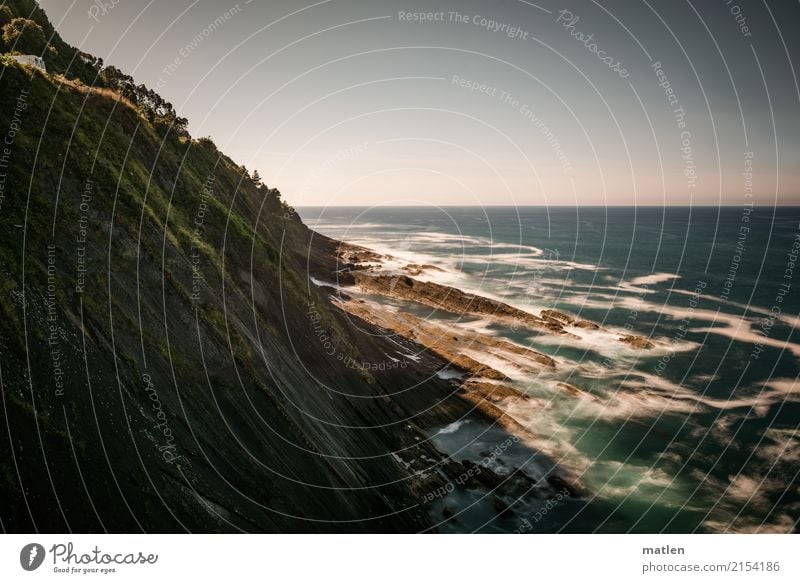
761 206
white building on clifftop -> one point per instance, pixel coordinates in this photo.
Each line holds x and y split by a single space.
30 60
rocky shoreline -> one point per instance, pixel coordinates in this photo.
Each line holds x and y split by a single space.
362 280
482 369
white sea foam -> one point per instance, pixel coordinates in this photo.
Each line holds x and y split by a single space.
330 228
598 300
746 490
499 363
323 283
735 327
616 480
780 524
453 427
653 278
782 446
743 488
449 373
548 434
735 331
758 398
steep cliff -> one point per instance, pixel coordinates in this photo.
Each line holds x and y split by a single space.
166 362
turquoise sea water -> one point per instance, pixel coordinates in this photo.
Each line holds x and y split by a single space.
698 434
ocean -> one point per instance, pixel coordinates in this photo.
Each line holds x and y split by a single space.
697 434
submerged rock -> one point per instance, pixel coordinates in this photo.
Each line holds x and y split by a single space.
417 269
556 316
637 341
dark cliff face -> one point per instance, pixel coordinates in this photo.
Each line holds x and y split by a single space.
166 363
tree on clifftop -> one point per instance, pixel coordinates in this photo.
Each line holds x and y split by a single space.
24 36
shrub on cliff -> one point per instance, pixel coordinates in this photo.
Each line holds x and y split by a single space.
6 16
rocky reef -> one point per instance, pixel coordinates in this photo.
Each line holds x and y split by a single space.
364 268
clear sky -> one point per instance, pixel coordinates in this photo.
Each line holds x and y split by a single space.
346 102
